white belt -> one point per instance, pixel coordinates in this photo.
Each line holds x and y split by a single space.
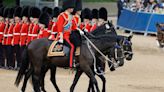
32 34
10 35
16 33
1 32
53 32
5 35
23 34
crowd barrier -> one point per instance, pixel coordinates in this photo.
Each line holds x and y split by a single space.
139 21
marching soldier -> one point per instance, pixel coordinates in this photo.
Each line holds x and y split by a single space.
86 15
94 19
24 28
9 50
2 27
43 24
31 25
56 12
103 16
64 24
5 15
35 14
16 34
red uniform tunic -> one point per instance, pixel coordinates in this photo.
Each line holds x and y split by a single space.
85 26
76 22
10 35
2 27
35 32
30 32
5 33
24 32
64 25
44 33
16 34
94 26
54 31
50 25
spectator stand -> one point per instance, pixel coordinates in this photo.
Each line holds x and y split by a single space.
139 21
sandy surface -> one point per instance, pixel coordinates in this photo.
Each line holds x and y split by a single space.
145 73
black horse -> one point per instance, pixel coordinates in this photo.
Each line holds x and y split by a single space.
37 56
53 68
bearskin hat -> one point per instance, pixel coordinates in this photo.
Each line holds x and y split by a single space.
17 11
1 11
103 14
44 19
10 13
49 11
30 11
5 12
24 11
68 4
95 14
56 12
86 14
35 12
78 5
44 8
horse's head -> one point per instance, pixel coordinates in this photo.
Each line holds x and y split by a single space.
115 54
110 27
127 47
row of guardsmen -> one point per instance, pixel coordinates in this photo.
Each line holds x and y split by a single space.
20 25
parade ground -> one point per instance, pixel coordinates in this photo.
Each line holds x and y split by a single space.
145 73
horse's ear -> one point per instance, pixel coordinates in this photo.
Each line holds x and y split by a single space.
130 37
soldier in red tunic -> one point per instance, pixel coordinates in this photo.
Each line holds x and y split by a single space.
9 50
31 25
103 16
2 27
86 15
43 24
56 12
64 26
16 34
24 28
94 21
35 14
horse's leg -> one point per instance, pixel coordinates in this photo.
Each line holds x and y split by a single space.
90 74
27 75
104 82
76 78
53 77
36 75
43 73
91 87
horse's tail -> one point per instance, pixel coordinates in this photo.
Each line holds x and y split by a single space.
23 68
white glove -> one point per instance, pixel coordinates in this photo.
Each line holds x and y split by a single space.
61 40
80 31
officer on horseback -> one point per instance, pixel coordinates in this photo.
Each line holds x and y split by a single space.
64 26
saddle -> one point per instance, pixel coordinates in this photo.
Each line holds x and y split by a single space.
53 50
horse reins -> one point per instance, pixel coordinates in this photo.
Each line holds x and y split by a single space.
105 57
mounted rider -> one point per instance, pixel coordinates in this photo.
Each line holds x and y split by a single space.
64 25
